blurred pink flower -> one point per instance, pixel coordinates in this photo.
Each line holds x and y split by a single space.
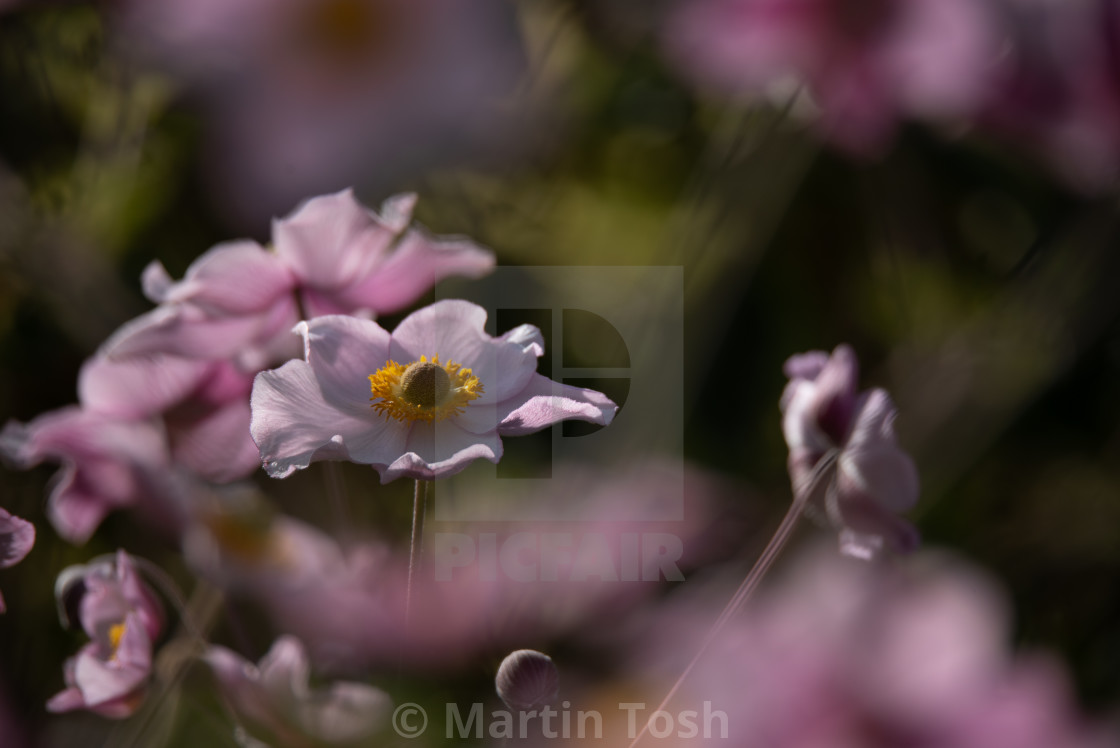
843 654
332 256
237 542
17 536
1058 87
823 416
306 96
107 464
866 64
484 587
202 406
443 394
276 698
347 258
124 619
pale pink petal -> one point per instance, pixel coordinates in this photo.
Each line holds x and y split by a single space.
294 425
396 211
75 510
139 386
66 701
454 329
107 464
344 712
323 303
332 240
233 278
805 365
217 445
343 352
17 536
284 672
102 682
873 463
441 449
834 394
240 681
413 268
544 402
189 330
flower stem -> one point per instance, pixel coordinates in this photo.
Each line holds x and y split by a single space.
801 495
336 493
416 544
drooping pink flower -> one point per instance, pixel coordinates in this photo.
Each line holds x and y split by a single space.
276 699
17 536
422 402
844 654
866 64
307 96
123 618
824 417
107 464
332 255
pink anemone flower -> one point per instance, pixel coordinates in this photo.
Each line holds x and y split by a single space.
421 402
332 255
123 618
825 419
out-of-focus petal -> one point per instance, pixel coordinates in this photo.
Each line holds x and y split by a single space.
293 425
277 697
233 278
191 331
545 402
216 445
835 394
345 711
106 464
17 536
873 463
103 681
415 265
332 240
138 386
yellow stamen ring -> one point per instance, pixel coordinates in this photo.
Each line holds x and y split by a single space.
116 633
423 390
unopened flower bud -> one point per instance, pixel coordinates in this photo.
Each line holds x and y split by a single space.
527 679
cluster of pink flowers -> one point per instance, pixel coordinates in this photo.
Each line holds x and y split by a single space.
166 399
1038 73
179 402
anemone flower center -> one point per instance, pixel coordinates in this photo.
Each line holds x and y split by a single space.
245 538
116 632
345 30
423 390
